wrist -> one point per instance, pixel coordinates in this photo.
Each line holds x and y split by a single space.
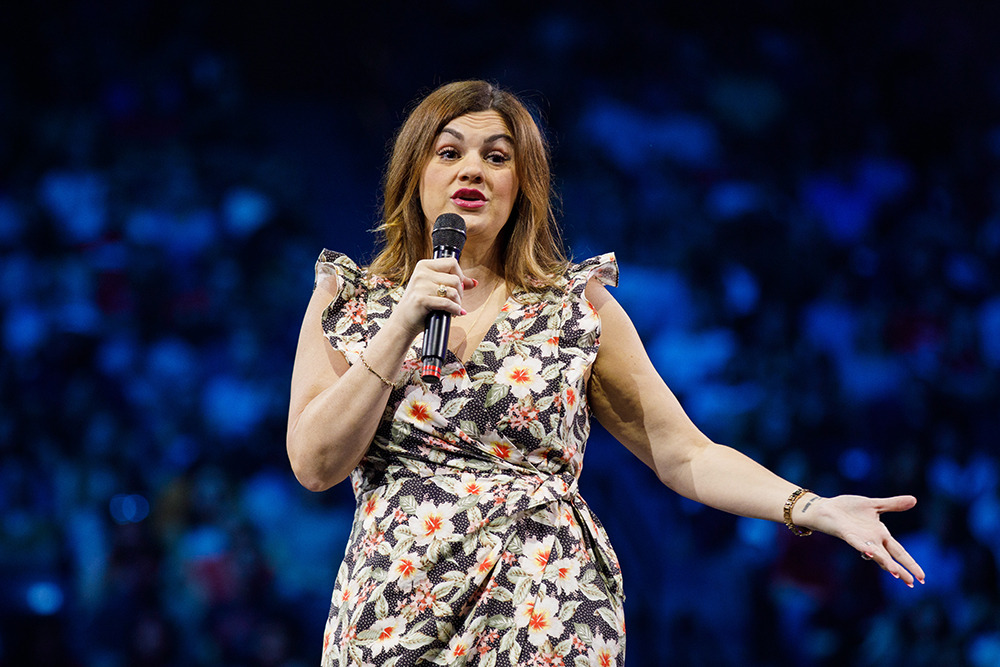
400 330
808 511
799 511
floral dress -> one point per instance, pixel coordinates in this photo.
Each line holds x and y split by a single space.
471 544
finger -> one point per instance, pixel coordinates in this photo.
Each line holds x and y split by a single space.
445 304
449 267
867 549
439 267
450 289
877 554
905 560
446 292
432 289
443 265
882 555
440 286
443 278
894 504
461 275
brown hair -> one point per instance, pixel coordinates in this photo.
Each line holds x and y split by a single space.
531 252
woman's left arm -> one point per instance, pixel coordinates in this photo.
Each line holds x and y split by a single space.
633 403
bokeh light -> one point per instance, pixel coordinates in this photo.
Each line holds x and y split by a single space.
804 199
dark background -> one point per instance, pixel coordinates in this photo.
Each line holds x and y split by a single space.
805 203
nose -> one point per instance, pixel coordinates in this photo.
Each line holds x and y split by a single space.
471 170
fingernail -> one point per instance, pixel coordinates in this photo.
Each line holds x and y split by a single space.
921 581
475 283
894 574
910 584
463 312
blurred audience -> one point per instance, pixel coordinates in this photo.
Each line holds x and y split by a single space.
807 214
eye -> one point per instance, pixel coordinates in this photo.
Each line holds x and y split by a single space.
497 157
448 153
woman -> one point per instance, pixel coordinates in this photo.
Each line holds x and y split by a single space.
470 542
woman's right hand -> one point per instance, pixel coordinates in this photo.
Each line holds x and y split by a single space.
422 293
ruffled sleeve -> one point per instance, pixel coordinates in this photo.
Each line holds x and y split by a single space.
345 319
603 267
581 328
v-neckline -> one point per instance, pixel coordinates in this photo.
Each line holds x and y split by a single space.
500 316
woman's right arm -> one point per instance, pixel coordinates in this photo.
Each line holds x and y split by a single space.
334 407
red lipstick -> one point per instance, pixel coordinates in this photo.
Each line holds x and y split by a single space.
468 198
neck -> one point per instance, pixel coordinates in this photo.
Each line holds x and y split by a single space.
482 264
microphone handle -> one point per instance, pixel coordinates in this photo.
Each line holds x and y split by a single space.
437 326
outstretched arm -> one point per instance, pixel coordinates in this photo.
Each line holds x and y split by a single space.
633 403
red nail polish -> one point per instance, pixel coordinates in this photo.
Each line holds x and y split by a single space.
463 312
475 283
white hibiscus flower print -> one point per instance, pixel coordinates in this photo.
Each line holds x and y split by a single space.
389 630
420 409
567 574
432 522
542 619
603 653
535 557
454 378
406 571
472 485
501 447
522 375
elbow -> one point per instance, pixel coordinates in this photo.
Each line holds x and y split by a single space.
313 483
309 479
308 470
676 470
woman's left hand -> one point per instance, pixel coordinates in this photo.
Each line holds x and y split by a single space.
856 520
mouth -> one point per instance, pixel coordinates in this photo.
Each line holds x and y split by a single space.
468 198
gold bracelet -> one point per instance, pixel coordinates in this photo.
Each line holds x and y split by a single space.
375 372
789 504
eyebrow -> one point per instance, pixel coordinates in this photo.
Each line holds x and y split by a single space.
490 139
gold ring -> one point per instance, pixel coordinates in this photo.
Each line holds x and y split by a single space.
442 290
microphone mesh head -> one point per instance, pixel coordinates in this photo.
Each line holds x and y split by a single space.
449 230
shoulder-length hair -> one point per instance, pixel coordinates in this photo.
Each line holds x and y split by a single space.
531 248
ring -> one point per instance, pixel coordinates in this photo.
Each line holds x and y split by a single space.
442 290
866 556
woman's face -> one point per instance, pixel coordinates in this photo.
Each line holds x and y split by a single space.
471 173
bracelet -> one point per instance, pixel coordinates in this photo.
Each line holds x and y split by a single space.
789 504
375 372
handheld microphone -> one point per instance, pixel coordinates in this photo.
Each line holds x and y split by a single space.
448 239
